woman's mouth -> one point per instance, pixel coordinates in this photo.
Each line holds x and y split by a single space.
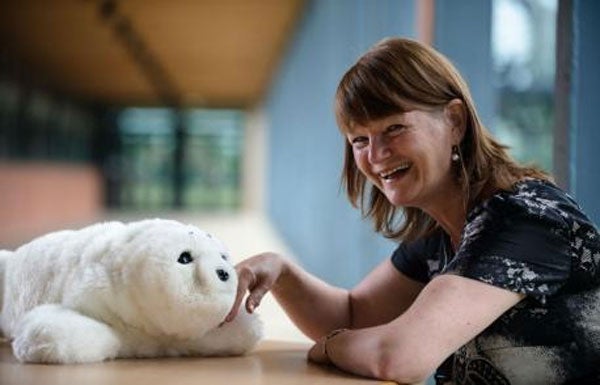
394 173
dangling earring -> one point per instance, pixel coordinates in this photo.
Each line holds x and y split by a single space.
455 155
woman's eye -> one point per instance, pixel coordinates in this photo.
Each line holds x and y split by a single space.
185 258
359 141
395 128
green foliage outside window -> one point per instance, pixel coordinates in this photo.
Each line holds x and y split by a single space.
211 165
523 41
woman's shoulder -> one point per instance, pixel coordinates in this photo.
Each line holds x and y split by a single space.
534 199
535 207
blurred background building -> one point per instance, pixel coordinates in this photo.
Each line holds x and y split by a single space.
219 112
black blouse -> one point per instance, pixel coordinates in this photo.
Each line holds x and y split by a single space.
537 241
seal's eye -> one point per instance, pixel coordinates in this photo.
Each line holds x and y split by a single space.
185 258
223 257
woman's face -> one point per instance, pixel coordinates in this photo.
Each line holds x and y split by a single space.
408 156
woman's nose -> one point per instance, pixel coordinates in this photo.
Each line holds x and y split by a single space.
379 149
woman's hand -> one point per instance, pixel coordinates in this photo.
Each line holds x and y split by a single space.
257 275
314 306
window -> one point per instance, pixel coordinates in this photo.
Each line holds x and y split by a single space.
35 124
211 166
523 50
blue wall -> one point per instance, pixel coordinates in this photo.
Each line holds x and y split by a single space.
585 105
462 32
304 197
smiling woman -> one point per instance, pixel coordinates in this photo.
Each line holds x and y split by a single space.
408 155
423 93
497 269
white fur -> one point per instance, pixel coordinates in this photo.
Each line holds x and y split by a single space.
117 290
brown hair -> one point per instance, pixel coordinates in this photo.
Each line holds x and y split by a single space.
393 75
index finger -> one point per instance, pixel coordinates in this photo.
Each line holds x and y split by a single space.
245 279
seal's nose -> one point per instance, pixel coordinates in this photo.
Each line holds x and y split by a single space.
223 275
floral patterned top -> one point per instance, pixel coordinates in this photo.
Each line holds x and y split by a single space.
537 241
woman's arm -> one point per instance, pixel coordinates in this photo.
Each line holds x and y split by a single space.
317 307
449 312
383 295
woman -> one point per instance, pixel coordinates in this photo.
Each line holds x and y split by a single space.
496 277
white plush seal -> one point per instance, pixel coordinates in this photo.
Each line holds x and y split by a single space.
144 289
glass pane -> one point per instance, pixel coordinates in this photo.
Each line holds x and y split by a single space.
213 150
523 43
38 125
211 166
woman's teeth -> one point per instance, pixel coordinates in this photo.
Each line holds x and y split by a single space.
390 174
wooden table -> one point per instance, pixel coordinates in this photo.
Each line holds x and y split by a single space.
273 362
